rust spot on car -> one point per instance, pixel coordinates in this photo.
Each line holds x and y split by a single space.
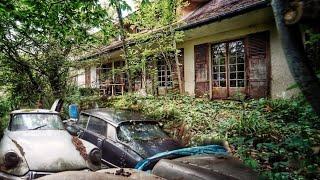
18 146
80 147
122 172
2 167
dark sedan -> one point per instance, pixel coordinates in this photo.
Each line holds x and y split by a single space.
124 137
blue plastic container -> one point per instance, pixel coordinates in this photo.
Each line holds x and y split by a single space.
73 111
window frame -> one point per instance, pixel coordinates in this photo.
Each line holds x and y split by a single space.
78 122
227 65
103 122
164 79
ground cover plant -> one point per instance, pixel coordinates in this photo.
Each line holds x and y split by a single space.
278 138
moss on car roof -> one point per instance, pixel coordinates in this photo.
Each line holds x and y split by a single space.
24 111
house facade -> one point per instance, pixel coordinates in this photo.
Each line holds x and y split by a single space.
229 47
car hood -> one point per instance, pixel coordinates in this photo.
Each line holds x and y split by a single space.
147 148
48 150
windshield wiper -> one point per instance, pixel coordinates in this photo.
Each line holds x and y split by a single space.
38 127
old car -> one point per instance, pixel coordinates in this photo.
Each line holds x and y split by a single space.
104 174
199 162
36 144
124 137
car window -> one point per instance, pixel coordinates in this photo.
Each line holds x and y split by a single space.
140 131
21 122
97 125
83 120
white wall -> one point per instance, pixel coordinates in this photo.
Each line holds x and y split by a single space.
93 77
81 78
281 77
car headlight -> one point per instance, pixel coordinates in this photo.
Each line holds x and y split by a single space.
95 156
11 159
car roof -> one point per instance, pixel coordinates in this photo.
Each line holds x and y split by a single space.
116 117
34 111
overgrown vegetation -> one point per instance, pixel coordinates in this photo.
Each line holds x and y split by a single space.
4 109
279 138
38 39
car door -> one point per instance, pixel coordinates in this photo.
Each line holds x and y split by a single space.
81 124
95 131
115 154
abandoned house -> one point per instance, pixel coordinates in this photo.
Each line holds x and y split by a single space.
229 47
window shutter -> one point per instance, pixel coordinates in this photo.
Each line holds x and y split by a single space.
87 77
201 55
258 60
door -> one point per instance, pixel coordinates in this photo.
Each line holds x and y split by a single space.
114 154
228 69
201 54
95 131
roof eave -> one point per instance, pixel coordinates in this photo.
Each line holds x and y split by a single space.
237 12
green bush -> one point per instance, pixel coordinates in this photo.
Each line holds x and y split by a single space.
4 113
88 91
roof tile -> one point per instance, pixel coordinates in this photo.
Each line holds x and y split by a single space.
216 8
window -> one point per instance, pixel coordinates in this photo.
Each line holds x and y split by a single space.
135 134
219 65
33 121
83 120
228 64
97 125
105 72
164 74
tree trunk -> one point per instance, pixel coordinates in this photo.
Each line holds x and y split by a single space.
181 90
144 78
124 44
154 77
293 48
172 31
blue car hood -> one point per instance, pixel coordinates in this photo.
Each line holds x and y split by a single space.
151 161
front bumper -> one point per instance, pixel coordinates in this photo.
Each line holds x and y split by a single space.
29 176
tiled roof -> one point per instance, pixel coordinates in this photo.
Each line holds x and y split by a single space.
219 8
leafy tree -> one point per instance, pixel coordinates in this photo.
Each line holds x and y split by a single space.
37 40
157 21
120 5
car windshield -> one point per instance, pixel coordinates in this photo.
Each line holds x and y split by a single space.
30 121
140 131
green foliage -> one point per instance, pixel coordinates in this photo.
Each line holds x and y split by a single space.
37 40
88 91
279 138
4 110
157 39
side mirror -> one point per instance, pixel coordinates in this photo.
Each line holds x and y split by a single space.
73 111
72 130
